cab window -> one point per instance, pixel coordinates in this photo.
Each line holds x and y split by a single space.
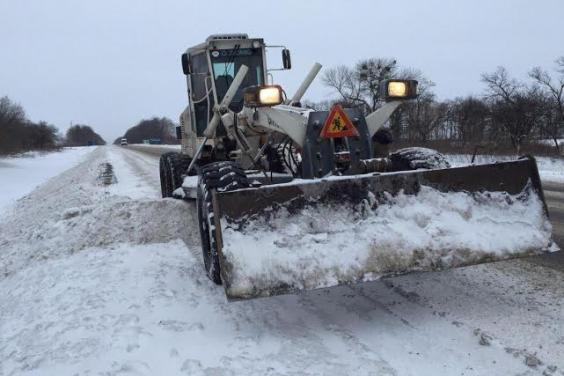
226 64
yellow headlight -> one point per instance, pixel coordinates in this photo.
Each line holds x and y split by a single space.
261 96
397 89
270 96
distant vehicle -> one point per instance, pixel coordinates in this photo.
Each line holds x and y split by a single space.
123 142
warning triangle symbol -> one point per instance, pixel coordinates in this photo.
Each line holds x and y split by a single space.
338 124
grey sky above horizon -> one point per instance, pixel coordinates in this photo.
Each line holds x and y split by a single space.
110 64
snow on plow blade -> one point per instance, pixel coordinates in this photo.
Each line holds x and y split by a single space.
311 234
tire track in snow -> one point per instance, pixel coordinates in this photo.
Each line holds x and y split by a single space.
144 166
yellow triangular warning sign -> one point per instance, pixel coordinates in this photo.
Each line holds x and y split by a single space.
338 124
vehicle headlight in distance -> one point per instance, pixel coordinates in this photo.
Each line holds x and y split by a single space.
261 96
399 89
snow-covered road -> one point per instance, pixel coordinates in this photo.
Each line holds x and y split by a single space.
107 279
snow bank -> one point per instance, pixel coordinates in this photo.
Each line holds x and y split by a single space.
74 212
325 246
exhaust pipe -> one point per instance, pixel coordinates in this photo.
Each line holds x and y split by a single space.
305 84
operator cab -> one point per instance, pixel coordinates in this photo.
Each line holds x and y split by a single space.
210 68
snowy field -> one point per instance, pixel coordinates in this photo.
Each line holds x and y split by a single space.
102 279
20 175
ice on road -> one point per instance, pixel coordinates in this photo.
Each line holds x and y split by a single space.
107 279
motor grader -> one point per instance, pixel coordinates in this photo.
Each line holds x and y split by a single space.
251 154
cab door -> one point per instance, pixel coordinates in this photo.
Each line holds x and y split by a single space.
201 93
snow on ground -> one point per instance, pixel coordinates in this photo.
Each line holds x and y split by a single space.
75 211
550 142
20 175
550 168
107 280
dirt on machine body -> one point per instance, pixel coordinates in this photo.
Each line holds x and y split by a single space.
289 198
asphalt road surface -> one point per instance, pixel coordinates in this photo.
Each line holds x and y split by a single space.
554 195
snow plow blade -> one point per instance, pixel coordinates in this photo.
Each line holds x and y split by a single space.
311 234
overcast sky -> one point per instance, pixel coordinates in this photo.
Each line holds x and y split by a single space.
111 63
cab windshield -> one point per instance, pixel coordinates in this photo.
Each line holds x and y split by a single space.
226 64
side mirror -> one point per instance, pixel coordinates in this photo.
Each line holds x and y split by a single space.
286 60
185 64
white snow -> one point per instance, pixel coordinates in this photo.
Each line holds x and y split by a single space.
108 280
149 310
323 246
550 142
190 182
22 174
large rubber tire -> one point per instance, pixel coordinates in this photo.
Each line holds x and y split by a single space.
417 158
172 170
221 177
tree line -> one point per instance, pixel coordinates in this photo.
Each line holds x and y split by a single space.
508 115
162 129
19 134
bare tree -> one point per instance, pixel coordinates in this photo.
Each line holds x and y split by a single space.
323 105
18 134
554 90
513 105
471 117
12 126
360 86
155 128
342 79
83 135
500 85
423 118
10 112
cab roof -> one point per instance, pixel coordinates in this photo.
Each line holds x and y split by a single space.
221 41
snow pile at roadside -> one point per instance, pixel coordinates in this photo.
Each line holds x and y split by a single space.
318 247
74 212
20 175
